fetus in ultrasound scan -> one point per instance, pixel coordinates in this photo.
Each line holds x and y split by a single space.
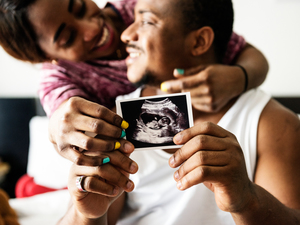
159 121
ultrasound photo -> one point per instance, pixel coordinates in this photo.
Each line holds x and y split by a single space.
154 121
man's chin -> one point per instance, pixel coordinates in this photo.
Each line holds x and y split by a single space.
146 79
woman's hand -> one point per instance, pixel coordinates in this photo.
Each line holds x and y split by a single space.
213 156
100 187
70 122
103 185
211 87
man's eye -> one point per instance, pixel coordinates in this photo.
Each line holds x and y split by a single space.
145 22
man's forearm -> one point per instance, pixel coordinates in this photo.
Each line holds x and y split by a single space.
74 217
265 209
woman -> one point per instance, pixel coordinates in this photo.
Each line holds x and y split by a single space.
89 72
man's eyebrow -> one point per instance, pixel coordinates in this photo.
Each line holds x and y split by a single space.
142 11
59 30
70 7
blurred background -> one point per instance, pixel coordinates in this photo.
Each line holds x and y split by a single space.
270 25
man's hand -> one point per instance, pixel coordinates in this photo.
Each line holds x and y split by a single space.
213 156
211 87
70 122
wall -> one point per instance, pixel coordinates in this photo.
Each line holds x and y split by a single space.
270 25
273 27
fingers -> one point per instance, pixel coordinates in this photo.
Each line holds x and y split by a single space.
200 159
98 143
94 110
199 175
206 128
196 147
100 126
187 72
105 179
116 158
186 80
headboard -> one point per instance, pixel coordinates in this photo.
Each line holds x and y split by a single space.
15 114
292 103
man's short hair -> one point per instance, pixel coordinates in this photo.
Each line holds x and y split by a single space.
217 14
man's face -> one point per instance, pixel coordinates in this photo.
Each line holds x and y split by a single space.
156 42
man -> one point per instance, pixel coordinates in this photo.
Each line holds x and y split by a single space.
255 183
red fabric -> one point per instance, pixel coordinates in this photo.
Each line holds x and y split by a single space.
26 187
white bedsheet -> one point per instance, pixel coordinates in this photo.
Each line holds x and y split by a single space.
43 209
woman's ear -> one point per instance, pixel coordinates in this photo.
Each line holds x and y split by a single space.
203 40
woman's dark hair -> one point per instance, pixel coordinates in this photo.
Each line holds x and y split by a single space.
217 14
17 36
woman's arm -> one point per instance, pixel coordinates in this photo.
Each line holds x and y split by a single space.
213 86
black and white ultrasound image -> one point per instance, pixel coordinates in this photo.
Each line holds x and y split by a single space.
154 122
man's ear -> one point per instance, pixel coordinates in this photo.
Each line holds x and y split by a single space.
203 40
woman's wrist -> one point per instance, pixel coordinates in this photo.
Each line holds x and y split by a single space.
74 216
246 78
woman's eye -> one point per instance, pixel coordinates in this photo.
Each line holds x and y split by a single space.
70 40
79 8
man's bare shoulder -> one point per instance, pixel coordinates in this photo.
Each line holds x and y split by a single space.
277 125
278 146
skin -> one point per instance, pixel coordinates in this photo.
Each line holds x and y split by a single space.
84 23
210 154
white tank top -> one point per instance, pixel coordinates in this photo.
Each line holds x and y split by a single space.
156 200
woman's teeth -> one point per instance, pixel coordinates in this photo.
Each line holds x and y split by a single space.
104 37
134 54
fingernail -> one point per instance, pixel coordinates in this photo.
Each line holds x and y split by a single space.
128 147
116 191
133 167
129 185
176 175
106 160
164 87
123 134
179 71
124 124
178 138
172 161
179 185
117 145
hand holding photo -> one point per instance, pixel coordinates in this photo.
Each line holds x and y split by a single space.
154 121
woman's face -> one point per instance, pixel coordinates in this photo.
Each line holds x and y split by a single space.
75 30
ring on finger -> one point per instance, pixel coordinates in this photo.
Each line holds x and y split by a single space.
79 181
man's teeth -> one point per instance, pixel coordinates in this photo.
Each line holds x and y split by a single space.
134 54
104 37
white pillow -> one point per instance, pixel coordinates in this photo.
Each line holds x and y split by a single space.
45 165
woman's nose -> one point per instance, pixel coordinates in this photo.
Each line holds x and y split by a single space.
90 29
130 34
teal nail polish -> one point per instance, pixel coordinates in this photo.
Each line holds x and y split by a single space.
123 134
106 160
180 71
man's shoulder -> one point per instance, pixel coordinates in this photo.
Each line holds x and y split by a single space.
278 126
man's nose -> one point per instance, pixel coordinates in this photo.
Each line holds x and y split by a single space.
89 29
130 34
